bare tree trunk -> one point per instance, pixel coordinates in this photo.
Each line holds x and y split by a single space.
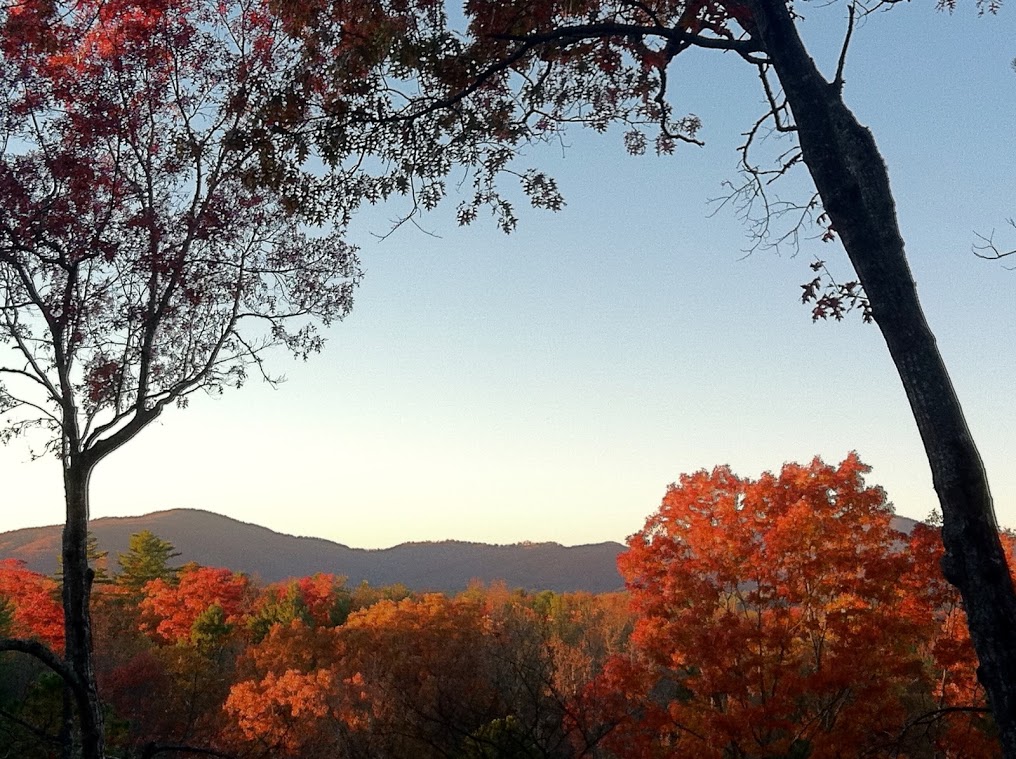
77 586
853 183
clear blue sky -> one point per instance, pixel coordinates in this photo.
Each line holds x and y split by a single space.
549 384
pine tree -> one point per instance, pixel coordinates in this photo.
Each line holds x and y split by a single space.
147 558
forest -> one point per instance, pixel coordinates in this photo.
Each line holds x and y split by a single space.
778 617
177 178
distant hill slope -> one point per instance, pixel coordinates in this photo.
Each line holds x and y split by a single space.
215 540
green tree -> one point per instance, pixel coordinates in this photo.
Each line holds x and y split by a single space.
210 630
147 558
278 606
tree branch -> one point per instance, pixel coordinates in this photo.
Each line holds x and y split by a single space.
43 654
36 732
578 32
838 79
988 250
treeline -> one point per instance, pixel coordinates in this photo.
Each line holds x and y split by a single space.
206 657
782 617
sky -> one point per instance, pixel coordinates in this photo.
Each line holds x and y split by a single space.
549 384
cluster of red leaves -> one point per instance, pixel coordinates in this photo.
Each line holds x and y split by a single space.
172 609
35 602
320 596
831 299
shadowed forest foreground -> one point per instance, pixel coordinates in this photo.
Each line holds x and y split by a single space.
782 617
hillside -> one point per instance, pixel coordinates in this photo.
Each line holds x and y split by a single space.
215 540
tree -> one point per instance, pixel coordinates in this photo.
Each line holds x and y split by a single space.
320 600
775 609
147 559
142 257
288 701
522 70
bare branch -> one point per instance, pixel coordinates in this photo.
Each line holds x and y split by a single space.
988 250
838 79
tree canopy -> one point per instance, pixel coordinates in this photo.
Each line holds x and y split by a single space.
141 259
761 601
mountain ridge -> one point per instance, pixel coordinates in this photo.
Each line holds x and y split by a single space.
450 565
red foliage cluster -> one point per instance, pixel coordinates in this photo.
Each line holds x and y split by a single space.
34 601
787 614
173 608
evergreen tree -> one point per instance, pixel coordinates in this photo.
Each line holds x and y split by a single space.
147 558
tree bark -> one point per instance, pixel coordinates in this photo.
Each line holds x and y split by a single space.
853 182
77 586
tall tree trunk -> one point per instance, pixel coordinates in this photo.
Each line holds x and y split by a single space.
77 586
852 180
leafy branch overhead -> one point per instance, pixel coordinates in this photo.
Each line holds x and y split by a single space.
832 299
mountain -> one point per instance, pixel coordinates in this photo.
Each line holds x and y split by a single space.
215 540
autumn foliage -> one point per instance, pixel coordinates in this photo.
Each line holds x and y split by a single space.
763 602
172 610
771 618
33 604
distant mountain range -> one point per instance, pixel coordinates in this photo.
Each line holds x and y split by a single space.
449 566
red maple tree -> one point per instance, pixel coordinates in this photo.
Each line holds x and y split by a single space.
34 602
171 609
772 613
